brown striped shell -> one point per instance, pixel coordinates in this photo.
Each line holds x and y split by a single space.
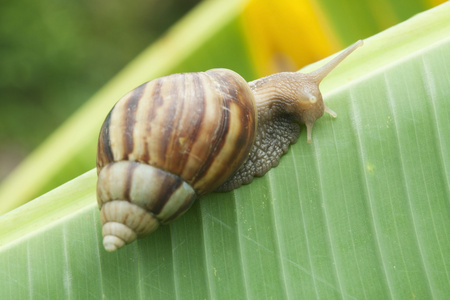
166 143
179 137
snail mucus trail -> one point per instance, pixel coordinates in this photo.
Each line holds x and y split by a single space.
178 137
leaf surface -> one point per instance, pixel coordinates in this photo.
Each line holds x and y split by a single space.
362 212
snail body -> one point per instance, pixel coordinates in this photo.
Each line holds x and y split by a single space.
178 137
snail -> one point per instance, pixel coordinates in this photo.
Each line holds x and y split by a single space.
179 137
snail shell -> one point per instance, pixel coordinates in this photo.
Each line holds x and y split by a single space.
166 143
178 137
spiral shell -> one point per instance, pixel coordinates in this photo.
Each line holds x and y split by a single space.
166 143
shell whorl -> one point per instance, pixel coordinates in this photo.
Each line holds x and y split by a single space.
192 129
136 198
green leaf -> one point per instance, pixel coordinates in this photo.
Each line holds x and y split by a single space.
362 212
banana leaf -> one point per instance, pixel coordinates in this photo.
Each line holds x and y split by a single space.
362 212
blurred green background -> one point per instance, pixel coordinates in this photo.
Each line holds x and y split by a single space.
55 54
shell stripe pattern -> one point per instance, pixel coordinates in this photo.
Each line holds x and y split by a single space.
165 195
197 126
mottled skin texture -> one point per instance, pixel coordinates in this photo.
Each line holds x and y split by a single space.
273 140
281 106
283 101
